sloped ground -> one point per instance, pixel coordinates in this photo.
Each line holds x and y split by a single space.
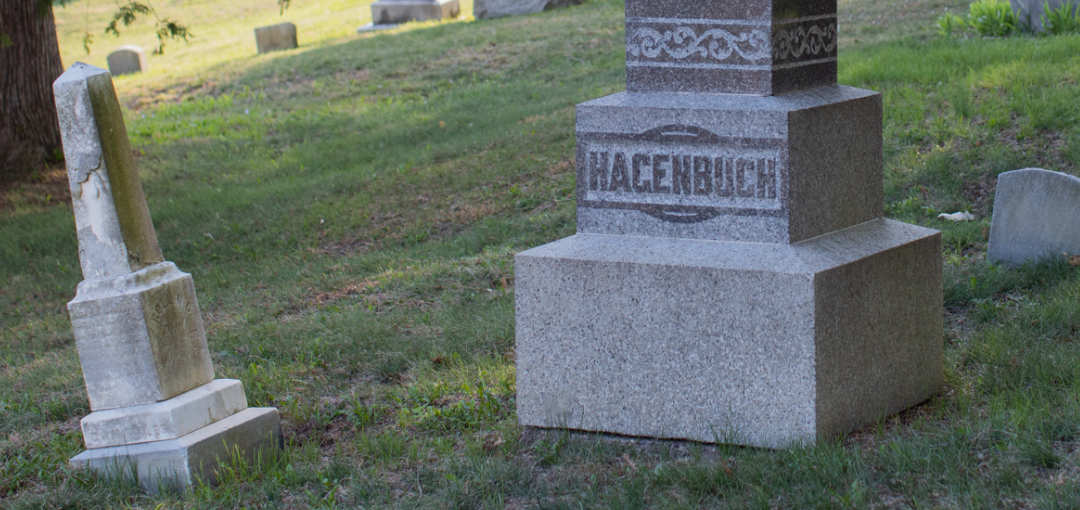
350 209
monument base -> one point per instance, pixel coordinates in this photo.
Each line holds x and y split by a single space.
169 419
400 11
758 344
177 463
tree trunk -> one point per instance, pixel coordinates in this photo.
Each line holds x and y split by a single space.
29 63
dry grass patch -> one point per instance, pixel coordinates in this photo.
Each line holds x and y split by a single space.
47 187
489 59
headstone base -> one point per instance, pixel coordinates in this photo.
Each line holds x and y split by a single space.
758 344
170 419
398 11
177 463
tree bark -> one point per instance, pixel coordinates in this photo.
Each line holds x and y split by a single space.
29 63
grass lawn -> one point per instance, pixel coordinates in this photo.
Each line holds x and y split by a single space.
350 209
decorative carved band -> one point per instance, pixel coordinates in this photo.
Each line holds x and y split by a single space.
699 44
808 41
684 42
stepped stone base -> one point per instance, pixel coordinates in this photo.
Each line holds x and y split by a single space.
170 419
758 344
178 463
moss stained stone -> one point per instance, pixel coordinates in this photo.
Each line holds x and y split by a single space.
158 414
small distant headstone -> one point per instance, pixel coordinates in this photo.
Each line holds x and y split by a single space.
386 12
485 9
732 278
1036 215
126 60
1031 12
275 37
158 415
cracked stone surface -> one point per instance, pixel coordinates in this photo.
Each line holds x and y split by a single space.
158 413
116 235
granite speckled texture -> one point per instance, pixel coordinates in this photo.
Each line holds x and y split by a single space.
751 343
399 11
1036 215
158 414
822 149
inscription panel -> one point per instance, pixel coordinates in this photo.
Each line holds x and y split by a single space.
117 362
682 174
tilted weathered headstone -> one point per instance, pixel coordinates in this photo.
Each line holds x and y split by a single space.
126 60
1036 215
385 12
484 9
1032 12
732 278
275 37
158 414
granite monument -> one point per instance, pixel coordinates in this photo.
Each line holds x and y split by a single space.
732 278
158 415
